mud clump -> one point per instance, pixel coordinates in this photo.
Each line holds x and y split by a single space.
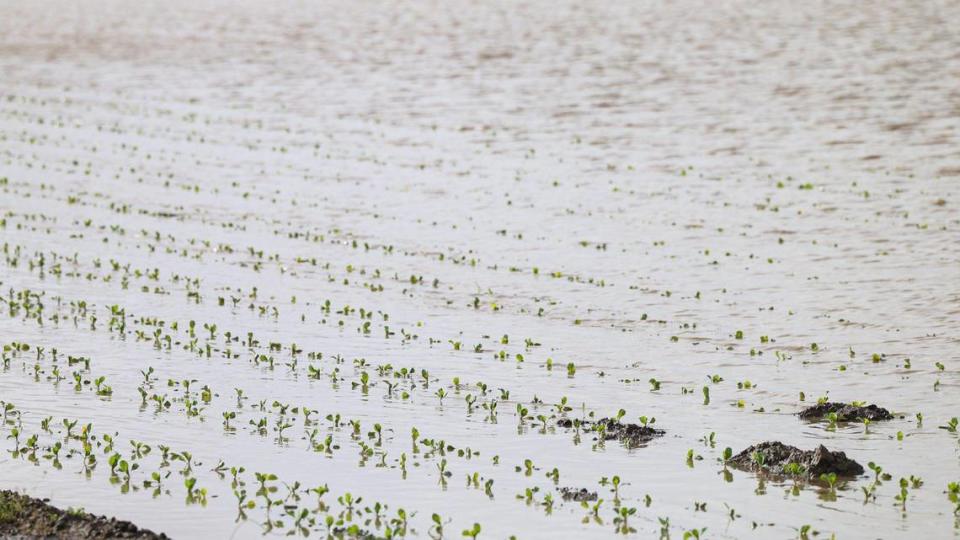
779 459
25 517
577 495
845 412
631 435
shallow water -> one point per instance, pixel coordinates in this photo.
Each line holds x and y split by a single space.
626 185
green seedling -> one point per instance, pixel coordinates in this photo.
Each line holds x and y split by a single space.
830 479
472 532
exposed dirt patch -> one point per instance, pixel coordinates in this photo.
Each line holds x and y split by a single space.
631 435
845 412
776 458
577 495
26 517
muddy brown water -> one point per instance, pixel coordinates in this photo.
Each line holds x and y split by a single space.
761 199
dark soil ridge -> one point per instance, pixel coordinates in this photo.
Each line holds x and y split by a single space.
577 495
631 435
24 517
777 456
845 412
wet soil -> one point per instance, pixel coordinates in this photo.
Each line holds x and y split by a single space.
25 517
577 494
845 412
631 435
777 456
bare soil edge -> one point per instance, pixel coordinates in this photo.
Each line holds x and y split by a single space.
25 517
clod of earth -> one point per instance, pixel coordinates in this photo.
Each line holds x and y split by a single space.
845 412
631 435
577 495
25 517
776 458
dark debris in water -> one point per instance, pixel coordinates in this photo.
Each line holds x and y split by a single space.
782 459
631 435
845 412
25 517
577 495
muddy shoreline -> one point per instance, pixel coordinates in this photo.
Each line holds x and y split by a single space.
25 517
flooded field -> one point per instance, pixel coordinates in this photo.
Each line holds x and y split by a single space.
483 269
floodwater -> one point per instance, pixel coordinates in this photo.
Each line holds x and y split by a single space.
757 198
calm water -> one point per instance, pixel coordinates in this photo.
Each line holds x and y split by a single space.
757 199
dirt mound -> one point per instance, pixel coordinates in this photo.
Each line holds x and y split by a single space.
631 435
776 458
845 412
578 495
26 517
